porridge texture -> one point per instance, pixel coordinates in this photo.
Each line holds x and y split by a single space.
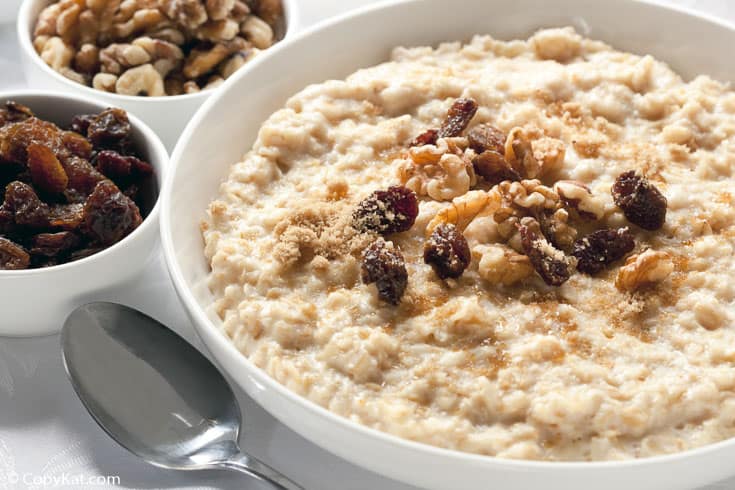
547 303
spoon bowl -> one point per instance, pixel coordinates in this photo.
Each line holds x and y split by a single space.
154 393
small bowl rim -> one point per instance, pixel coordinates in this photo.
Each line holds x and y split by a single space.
227 352
25 39
160 171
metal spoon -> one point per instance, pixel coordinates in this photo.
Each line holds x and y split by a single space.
155 394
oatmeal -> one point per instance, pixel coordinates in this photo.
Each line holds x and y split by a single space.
564 290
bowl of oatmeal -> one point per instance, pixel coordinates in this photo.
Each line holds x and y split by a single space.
159 59
493 250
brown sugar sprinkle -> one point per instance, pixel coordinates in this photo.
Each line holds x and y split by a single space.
59 203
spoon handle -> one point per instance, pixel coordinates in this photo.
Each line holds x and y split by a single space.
249 465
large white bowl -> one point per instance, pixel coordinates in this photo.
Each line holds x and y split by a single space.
166 115
226 126
36 301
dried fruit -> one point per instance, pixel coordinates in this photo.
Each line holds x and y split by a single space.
458 118
447 251
109 215
46 171
642 203
77 144
110 129
15 139
428 137
53 244
83 177
486 137
383 264
27 208
550 263
601 248
13 256
14 112
387 211
118 167
66 216
80 123
492 166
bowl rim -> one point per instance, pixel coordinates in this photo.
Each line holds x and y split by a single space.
292 14
208 332
160 165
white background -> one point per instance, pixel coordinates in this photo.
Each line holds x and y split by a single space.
45 431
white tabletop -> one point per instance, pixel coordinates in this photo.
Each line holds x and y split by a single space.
47 439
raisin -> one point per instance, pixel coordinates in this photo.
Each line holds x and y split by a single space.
118 167
80 123
46 171
387 211
447 251
486 137
458 118
550 263
110 129
53 244
601 248
493 167
83 178
109 215
27 208
428 137
14 112
383 264
13 256
66 216
16 138
641 202
77 144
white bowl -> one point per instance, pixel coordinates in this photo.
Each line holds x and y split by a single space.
36 301
166 115
220 135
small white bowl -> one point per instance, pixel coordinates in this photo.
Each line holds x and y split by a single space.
166 115
220 135
36 301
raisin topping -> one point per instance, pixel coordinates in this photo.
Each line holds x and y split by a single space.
109 214
14 112
387 211
13 256
550 263
493 167
447 251
428 137
601 248
110 129
118 167
486 137
642 203
383 264
458 118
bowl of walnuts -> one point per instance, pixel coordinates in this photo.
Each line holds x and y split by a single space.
158 59
79 184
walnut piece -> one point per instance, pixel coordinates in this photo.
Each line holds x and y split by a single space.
643 269
502 265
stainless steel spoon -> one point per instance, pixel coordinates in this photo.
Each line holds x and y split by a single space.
155 394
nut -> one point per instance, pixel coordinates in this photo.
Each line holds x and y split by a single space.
57 54
643 269
187 13
143 79
219 9
500 264
105 82
519 154
258 32
200 61
218 30
442 171
87 59
466 208
116 58
578 197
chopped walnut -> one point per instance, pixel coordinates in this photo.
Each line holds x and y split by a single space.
643 269
466 208
442 171
212 38
578 197
519 154
502 265
144 79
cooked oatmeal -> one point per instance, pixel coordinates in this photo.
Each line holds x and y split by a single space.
583 325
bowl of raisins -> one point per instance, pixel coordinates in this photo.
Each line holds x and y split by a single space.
79 185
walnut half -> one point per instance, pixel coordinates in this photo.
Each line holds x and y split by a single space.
642 269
